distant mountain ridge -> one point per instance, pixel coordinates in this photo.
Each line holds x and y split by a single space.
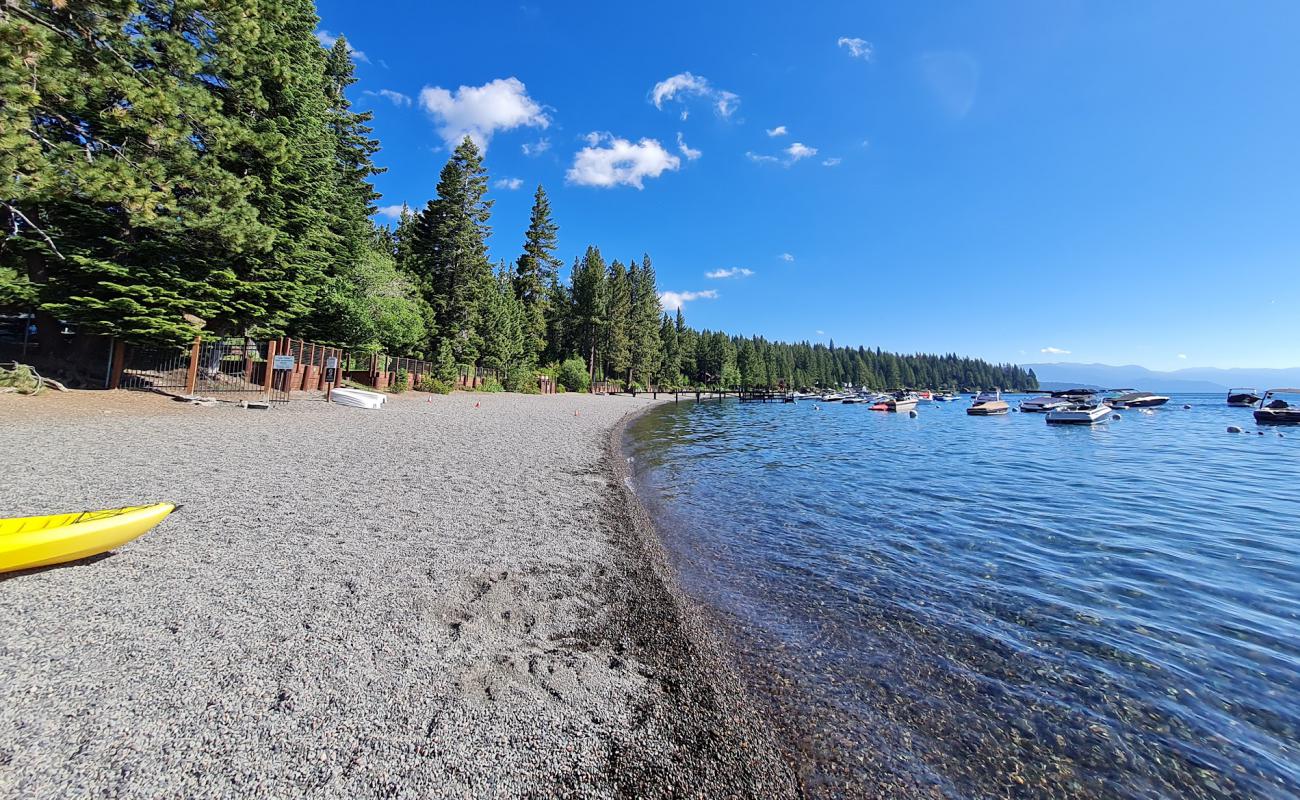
1192 379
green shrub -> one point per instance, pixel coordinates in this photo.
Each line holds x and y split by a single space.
573 376
428 383
491 385
399 383
523 382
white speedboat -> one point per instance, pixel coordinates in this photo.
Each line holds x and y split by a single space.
357 398
988 404
1242 397
1041 405
1136 400
901 402
1079 414
947 397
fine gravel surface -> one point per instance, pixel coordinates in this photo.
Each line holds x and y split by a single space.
452 597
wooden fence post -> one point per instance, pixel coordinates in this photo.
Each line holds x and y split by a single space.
119 363
192 375
269 373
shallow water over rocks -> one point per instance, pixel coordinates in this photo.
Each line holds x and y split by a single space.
950 606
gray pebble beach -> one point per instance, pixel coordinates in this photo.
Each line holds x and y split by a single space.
432 600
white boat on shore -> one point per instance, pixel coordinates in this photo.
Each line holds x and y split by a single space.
357 398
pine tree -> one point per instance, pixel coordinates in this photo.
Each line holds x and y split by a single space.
617 348
289 161
589 299
449 252
121 211
505 342
536 270
354 150
644 329
670 370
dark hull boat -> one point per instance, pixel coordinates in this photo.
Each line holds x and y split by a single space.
1242 398
1137 400
1276 411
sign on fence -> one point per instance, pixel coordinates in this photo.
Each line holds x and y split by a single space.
282 362
331 369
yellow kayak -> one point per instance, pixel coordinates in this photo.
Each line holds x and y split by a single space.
28 542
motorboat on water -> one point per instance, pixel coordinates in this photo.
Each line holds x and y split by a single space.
1079 395
1243 397
832 397
924 395
1273 410
1136 400
901 401
988 404
1079 414
1043 404
947 397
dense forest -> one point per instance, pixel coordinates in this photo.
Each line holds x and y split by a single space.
184 166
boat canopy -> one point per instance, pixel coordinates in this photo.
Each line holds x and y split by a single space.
1283 391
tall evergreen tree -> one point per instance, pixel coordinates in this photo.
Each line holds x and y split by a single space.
589 300
119 211
670 369
449 252
644 329
536 269
354 151
505 344
617 348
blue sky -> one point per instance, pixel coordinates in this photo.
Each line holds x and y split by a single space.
1005 180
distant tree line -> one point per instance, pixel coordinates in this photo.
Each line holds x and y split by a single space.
172 163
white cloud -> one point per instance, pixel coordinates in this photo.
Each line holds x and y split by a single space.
726 103
392 212
690 153
536 148
786 257
1183 356
1054 351
671 301
759 158
866 142
510 184
480 111
821 333
610 161
779 130
800 150
734 272
858 48
397 98
832 162
684 84
328 39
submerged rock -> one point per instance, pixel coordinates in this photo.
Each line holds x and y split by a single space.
1233 429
